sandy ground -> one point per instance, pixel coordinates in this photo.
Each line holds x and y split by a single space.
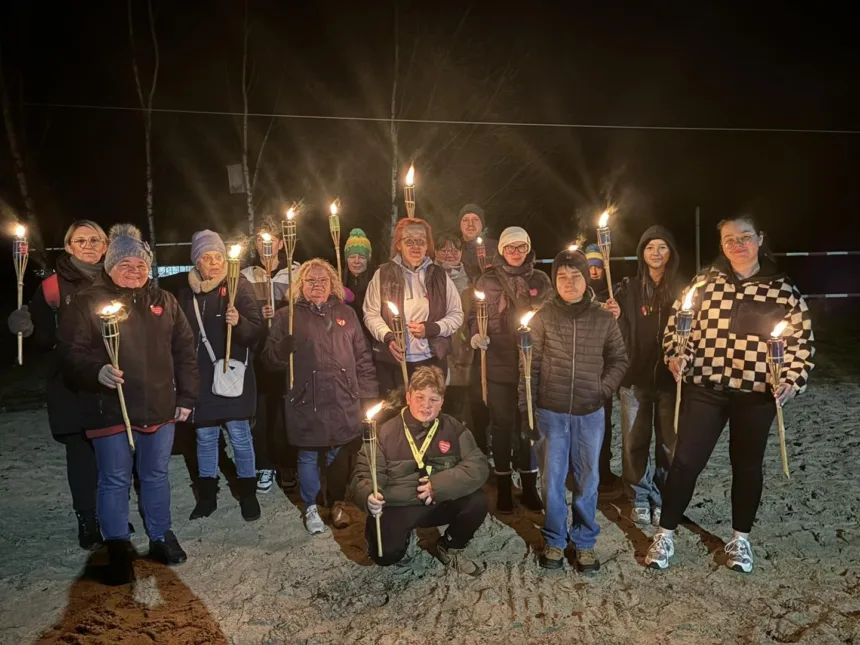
269 582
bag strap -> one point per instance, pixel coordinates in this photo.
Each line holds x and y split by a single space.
51 291
202 331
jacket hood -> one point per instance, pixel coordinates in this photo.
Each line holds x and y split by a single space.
768 268
421 267
658 232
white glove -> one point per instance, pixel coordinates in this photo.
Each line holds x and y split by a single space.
375 504
480 342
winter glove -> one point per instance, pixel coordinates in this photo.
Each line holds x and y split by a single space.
480 342
349 296
288 345
375 504
525 430
20 321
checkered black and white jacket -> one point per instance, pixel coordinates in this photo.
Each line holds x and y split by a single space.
733 320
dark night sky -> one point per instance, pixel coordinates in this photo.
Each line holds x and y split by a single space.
768 67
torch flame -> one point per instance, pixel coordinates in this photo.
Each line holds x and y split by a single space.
525 320
372 412
333 208
777 331
291 213
235 251
266 237
393 308
604 219
573 247
410 176
20 231
479 241
480 295
111 309
691 294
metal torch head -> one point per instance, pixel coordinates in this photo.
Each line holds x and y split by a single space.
20 249
604 239
683 322
525 339
776 351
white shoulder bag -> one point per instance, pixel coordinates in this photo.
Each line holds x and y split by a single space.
229 383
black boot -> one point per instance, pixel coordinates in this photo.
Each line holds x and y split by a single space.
89 532
504 501
248 499
167 550
530 499
207 498
120 569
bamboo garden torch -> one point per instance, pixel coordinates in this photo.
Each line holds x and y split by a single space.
288 232
481 299
525 333
109 316
409 191
775 361
232 286
268 252
20 255
399 338
368 426
481 253
604 242
683 326
334 228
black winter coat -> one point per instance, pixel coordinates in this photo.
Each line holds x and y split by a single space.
504 310
156 356
470 257
578 357
333 369
211 409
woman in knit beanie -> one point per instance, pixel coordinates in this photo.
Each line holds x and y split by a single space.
357 251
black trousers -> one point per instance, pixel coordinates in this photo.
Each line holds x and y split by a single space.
480 412
511 449
81 471
390 375
704 413
606 448
267 425
463 516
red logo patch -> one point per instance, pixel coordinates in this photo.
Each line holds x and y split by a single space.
223 292
533 292
156 309
444 446
341 322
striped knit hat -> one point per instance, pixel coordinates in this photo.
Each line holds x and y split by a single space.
594 256
357 244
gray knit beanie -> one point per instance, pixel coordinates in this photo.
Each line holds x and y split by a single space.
204 242
126 241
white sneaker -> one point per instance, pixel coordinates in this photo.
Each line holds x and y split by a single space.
661 549
265 480
739 555
656 512
313 521
640 515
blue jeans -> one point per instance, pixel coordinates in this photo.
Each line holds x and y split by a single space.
309 473
642 409
114 460
570 443
243 449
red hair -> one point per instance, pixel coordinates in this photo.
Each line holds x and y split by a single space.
401 228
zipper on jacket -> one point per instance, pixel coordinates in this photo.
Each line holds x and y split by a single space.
659 344
348 384
572 366
314 389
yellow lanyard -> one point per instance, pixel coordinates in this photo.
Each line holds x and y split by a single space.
419 454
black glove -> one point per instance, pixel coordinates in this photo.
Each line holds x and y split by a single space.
288 345
525 430
20 321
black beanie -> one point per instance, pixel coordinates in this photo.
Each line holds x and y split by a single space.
472 208
568 258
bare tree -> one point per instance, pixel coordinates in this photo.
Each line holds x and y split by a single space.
146 105
394 126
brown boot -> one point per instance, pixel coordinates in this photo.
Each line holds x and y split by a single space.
455 560
339 515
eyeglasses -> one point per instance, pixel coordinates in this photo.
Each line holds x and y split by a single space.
734 242
516 248
448 250
412 242
87 241
317 283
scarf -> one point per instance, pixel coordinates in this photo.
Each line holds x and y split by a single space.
87 270
515 280
199 285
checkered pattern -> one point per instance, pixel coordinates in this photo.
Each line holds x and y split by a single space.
725 360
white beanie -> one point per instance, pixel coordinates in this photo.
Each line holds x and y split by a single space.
514 235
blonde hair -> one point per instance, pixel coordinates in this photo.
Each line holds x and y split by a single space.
299 278
428 377
67 240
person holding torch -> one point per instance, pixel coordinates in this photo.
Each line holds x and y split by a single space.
158 371
479 251
741 299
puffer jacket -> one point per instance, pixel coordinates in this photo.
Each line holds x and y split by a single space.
504 311
578 357
470 256
333 371
459 468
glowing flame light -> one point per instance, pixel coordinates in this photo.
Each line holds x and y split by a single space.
573 247
372 412
266 237
333 208
604 219
479 242
777 331
410 176
20 231
393 308
235 251
111 309
480 295
291 213
525 320
691 294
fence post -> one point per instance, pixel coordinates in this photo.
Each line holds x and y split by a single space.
698 242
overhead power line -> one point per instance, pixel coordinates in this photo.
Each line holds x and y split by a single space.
520 124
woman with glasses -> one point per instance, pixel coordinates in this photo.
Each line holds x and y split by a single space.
512 288
77 268
426 299
333 382
739 301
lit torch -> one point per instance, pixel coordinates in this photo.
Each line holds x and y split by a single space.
481 298
288 233
409 191
683 326
109 316
334 228
369 440
232 286
397 329
481 254
604 241
20 255
526 356
268 253
775 361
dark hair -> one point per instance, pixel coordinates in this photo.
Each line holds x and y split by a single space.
659 295
446 237
746 218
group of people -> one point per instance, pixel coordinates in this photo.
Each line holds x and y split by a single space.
292 394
